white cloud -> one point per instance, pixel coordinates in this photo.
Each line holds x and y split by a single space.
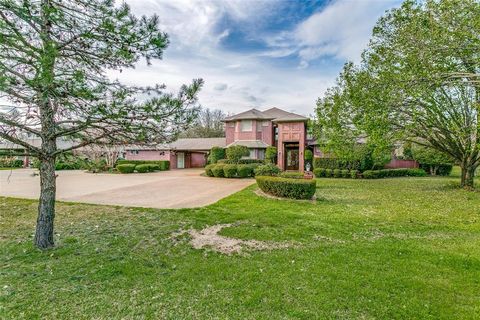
235 81
342 29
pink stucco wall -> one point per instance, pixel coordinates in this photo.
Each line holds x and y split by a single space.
147 155
259 132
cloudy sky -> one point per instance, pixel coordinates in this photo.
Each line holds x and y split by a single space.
257 53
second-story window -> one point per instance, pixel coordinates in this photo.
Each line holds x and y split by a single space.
246 125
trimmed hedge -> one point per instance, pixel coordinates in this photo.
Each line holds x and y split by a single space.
267 170
142 168
388 173
126 168
319 172
230 170
241 161
291 175
335 163
216 154
245 170
10 163
208 170
217 170
162 164
287 188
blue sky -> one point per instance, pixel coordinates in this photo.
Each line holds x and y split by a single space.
254 53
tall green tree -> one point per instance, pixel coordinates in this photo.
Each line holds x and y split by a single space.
54 55
419 81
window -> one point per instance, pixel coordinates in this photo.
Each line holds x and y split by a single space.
259 126
133 151
252 154
162 153
246 125
261 154
265 123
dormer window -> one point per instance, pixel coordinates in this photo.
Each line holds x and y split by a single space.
246 125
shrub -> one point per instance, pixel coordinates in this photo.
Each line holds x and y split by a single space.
245 170
308 156
354 174
162 164
328 173
345 173
319 172
337 173
216 153
271 155
241 161
154 167
10 162
235 153
267 170
217 170
287 188
388 173
142 168
126 168
291 175
208 170
230 170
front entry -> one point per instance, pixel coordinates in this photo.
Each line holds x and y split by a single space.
291 160
180 160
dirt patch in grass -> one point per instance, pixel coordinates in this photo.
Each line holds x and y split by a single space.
209 238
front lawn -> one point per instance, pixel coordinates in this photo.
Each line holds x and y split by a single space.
400 248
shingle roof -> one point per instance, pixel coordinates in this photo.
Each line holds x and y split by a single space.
274 114
249 114
198 143
280 115
256 144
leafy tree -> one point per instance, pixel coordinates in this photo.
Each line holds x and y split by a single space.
418 81
235 153
208 124
53 61
271 155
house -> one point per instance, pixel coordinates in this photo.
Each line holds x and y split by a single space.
182 153
253 128
257 130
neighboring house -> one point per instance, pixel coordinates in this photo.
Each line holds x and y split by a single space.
254 129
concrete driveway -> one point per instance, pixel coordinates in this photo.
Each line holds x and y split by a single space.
167 189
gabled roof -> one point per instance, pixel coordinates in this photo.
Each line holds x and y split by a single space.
280 115
198 143
275 114
255 144
249 114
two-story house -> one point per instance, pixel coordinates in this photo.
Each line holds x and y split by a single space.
254 129
257 130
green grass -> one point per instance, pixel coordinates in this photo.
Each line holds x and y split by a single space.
401 248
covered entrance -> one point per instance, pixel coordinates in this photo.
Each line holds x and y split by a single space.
292 156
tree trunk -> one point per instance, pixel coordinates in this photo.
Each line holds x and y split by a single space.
467 176
46 205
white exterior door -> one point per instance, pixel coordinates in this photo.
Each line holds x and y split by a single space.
180 160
